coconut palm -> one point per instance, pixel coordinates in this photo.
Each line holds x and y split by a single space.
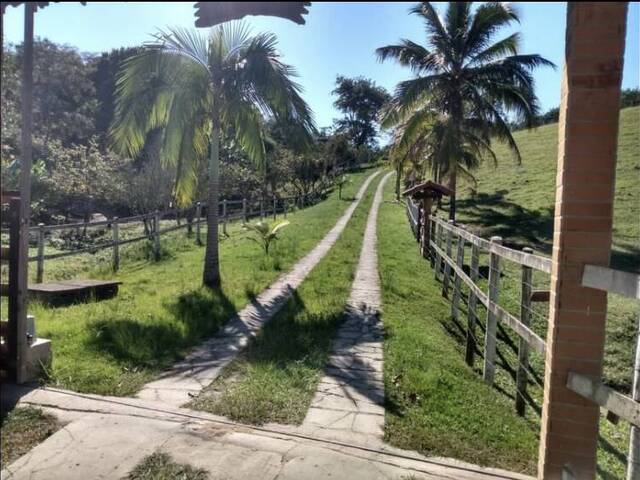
201 91
464 74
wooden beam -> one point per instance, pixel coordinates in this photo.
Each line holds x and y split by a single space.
612 281
540 296
592 389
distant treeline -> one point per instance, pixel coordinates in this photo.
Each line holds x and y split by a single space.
629 97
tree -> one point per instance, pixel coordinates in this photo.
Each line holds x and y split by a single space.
202 90
103 75
360 99
467 81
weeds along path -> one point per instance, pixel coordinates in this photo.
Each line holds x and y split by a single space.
349 402
188 377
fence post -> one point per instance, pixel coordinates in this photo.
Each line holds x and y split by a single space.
198 215
523 346
224 216
633 469
156 235
439 244
116 246
244 210
275 205
447 267
285 206
491 327
432 233
261 208
456 282
40 269
472 302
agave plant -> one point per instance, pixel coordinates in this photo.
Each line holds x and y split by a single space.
202 90
264 233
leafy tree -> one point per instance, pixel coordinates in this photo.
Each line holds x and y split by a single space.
629 97
360 100
103 75
467 81
204 89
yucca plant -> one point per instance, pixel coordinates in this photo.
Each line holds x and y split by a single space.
466 80
264 233
203 90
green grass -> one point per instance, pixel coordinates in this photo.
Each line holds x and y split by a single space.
21 430
160 466
113 347
435 403
276 378
517 201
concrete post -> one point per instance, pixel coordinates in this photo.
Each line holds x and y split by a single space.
585 181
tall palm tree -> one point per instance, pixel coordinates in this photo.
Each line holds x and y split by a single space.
201 90
463 74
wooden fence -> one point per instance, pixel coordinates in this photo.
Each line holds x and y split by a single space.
190 218
443 236
10 255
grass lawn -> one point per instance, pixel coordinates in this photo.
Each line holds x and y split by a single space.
113 347
21 430
516 202
277 376
435 403
160 466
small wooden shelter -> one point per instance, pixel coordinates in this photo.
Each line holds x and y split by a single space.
424 194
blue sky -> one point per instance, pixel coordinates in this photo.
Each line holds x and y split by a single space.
338 38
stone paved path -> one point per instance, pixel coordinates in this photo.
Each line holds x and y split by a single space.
203 365
105 437
349 402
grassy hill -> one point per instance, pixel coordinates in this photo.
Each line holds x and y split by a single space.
516 201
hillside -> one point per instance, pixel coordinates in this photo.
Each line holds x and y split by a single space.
516 201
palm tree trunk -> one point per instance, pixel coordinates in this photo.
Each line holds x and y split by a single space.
211 274
398 173
453 178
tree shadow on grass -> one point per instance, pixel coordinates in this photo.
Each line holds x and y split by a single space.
156 342
518 226
493 214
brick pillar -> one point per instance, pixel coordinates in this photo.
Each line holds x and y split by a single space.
587 144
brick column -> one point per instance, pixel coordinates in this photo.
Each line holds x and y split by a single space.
587 144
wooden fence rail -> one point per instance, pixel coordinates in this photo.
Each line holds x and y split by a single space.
627 407
231 210
444 234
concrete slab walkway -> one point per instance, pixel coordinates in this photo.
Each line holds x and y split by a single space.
107 436
349 402
203 365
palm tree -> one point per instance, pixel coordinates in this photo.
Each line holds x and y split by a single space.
465 80
200 91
